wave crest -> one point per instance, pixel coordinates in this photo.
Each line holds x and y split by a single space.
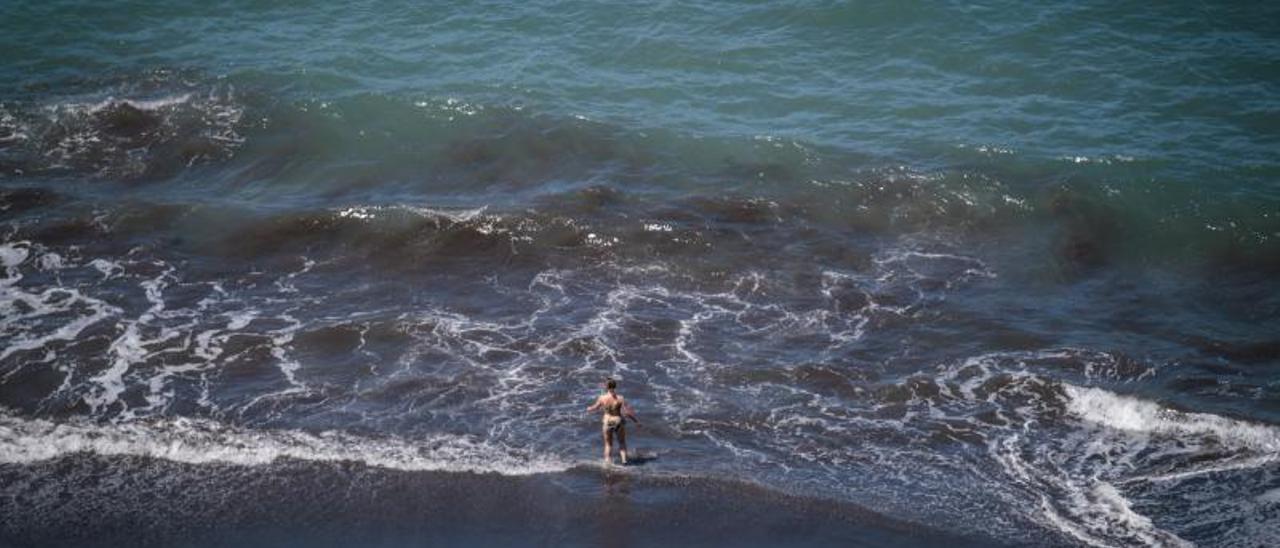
1125 413
127 135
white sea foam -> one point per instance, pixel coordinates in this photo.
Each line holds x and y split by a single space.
85 139
1213 468
147 349
1134 415
109 269
198 441
13 254
140 104
131 346
12 130
1077 473
1076 504
24 339
1117 512
455 215
23 311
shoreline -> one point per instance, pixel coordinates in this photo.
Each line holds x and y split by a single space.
87 500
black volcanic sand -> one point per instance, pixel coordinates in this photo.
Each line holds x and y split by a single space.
86 500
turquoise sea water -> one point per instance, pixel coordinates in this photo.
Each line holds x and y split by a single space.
1004 270
1184 91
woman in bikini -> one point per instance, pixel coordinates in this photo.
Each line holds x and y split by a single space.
615 409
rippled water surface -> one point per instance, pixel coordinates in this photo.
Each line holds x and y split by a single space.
1006 272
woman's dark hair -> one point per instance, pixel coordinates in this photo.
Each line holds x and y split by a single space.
610 384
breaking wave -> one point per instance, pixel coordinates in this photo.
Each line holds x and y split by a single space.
139 131
1134 415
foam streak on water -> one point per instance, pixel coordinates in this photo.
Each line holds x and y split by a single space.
195 441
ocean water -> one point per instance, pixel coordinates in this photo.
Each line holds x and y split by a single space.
1004 274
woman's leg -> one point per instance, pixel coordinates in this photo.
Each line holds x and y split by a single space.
622 442
608 439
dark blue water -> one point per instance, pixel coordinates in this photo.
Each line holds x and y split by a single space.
1004 273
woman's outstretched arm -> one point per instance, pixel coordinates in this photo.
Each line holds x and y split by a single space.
629 412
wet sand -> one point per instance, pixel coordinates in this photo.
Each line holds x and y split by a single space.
86 500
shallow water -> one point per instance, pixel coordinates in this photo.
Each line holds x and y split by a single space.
1008 271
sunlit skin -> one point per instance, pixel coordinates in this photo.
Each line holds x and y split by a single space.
616 410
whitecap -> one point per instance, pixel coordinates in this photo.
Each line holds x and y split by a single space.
1126 413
